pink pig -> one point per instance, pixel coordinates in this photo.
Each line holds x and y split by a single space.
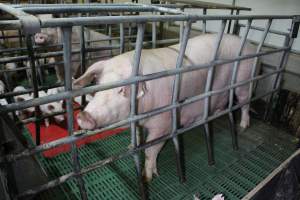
114 105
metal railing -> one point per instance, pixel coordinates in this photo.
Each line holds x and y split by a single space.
141 20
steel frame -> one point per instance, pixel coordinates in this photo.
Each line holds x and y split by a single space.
30 25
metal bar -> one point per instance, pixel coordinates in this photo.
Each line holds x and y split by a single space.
204 21
277 81
208 87
62 179
175 98
122 38
83 133
97 88
154 34
262 29
29 23
67 38
134 106
255 62
236 28
88 21
82 57
34 82
231 93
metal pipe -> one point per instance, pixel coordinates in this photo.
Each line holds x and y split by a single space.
208 87
97 88
204 21
255 62
122 38
175 98
262 29
134 106
277 81
34 82
67 38
231 92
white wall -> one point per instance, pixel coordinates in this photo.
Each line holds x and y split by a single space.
262 7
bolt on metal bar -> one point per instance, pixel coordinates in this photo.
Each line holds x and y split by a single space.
283 61
175 98
34 82
97 88
82 134
134 106
67 38
208 88
62 179
255 62
232 90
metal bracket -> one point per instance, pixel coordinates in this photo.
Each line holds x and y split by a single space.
29 23
295 27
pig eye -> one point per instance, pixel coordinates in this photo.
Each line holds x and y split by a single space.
51 107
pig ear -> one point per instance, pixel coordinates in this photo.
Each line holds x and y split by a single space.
91 73
125 90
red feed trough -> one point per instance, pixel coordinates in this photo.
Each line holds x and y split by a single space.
56 131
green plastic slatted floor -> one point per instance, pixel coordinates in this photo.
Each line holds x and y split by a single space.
262 149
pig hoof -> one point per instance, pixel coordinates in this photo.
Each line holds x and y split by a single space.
244 125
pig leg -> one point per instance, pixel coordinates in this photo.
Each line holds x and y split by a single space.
242 94
151 155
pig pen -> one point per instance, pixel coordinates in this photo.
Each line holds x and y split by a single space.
107 169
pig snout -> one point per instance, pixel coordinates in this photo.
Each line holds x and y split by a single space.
59 118
86 121
40 38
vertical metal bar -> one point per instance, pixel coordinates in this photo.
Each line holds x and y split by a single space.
231 93
122 37
82 59
208 87
236 27
34 81
154 32
229 22
110 35
181 26
277 81
254 67
175 98
204 21
133 105
67 49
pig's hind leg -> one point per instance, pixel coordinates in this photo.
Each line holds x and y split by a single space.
151 154
242 94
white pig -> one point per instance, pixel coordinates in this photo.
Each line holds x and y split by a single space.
52 36
27 112
113 105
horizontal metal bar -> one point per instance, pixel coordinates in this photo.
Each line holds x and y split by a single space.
208 5
78 21
84 133
101 163
96 88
